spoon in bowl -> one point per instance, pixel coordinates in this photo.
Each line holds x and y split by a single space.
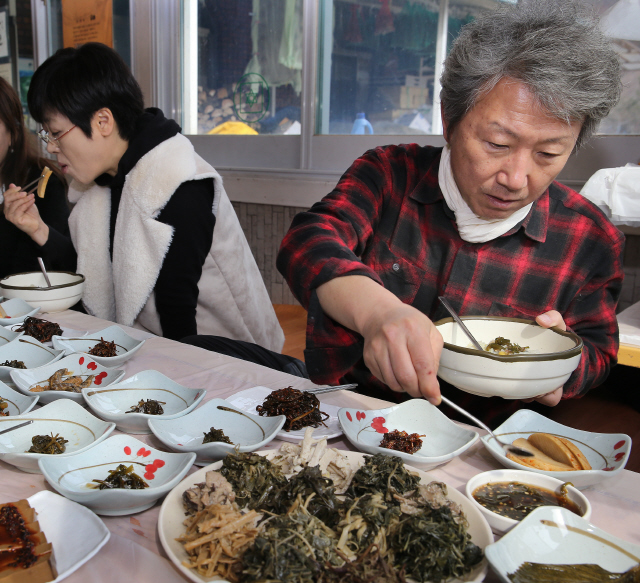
455 316
514 449
44 271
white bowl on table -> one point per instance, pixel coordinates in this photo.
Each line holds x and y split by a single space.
126 346
17 403
62 417
443 439
607 453
501 524
114 402
17 310
71 476
65 290
78 365
246 432
551 357
556 536
28 350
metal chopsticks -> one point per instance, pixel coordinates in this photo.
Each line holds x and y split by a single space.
321 390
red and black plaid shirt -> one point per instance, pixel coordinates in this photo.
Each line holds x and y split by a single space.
387 219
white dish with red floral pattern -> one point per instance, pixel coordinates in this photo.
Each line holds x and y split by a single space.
442 439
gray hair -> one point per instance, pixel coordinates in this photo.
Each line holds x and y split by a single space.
554 47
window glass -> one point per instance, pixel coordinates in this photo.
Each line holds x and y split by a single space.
249 71
379 72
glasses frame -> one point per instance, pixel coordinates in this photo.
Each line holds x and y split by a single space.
47 139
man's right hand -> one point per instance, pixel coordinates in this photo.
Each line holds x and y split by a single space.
21 210
402 347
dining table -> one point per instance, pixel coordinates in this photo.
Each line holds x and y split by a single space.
134 551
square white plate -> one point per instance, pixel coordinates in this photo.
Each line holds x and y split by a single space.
75 532
249 399
17 310
557 536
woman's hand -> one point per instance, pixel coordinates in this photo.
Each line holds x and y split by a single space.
547 320
21 210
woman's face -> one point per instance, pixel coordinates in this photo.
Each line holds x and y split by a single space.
5 141
82 158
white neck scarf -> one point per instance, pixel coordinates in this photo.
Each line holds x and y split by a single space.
472 228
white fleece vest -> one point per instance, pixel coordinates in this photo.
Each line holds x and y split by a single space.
232 299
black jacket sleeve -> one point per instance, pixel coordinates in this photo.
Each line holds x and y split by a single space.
189 212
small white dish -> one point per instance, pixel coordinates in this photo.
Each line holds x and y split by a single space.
75 532
443 439
78 364
72 476
8 334
551 357
171 518
557 536
607 453
113 402
17 403
17 310
65 290
247 432
28 350
501 524
249 399
62 417
126 346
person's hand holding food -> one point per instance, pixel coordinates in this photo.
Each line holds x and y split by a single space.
21 210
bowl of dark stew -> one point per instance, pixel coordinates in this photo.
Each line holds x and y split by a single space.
505 497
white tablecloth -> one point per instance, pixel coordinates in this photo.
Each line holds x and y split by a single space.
134 553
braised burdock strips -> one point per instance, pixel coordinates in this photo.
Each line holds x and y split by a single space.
301 408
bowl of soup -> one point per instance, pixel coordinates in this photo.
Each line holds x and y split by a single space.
65 290
519 360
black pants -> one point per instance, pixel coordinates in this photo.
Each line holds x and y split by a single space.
250 352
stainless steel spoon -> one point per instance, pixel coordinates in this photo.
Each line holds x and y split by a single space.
514 449
44 271
455 316
16 426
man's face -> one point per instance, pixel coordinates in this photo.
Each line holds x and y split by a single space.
507 150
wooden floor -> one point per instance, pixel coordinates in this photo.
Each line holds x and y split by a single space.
612 408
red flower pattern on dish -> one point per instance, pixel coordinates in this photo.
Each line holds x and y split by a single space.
378 425
619 444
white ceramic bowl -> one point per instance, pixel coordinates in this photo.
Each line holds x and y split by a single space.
126 346
18 404
65 291
247 432
63 417
607 453
29 351
17 310
75 532
7 335
552 356
501 524
112 403
71 475
557 536
77 364
443 439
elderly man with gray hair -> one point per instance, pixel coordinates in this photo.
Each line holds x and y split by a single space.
481 221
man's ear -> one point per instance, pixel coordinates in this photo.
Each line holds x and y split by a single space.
104 122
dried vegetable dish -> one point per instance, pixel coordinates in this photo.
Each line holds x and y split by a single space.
301 408
541 573
149 407
4 408
41 330
48 444
402 441
307 516
214 435
14 364
122 477
64 380
104 348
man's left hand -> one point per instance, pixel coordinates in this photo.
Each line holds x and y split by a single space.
547 320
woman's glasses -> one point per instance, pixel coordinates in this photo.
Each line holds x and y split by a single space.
47 139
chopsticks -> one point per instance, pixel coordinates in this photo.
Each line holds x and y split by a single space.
16 427
31 184
321 390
